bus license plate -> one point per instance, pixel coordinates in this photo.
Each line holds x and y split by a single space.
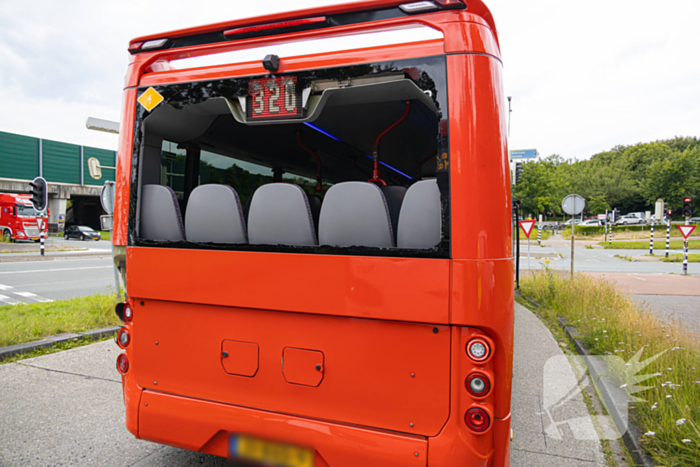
281 455
273 98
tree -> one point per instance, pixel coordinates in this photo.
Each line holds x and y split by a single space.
673 178
540 187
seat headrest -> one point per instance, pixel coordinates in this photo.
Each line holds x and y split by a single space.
214 214
420 221
160 214
355 214
280 215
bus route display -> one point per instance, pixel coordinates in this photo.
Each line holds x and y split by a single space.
273 98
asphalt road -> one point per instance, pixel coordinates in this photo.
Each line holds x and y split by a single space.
70 276
67 409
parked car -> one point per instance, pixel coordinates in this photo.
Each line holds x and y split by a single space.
629 219
694 220
82 232
591 222
576 222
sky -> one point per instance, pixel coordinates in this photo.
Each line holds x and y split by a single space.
583 76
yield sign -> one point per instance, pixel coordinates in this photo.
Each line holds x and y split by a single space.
686 230
527 227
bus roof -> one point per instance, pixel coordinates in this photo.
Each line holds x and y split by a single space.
476 7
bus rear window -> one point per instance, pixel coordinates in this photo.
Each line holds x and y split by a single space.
348 160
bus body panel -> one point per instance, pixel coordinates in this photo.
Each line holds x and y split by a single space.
480 175
399 289
124 158
360 366
201 426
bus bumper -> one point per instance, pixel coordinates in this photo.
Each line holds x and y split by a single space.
204 426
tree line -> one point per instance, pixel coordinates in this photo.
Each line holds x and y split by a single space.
629 178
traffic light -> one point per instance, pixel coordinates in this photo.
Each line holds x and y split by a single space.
40 193
687 207
518 172
668 213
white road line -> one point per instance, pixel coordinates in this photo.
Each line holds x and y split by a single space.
7 300
5 287
55 270
33 296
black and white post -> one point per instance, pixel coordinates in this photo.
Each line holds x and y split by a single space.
41 236
651 241
685 256
668 235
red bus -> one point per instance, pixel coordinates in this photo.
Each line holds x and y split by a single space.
19 220
313 219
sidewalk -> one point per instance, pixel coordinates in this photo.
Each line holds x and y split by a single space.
535 442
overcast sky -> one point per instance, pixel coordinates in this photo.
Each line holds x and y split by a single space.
584 76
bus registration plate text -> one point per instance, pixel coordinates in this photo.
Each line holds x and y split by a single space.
282 455
273 98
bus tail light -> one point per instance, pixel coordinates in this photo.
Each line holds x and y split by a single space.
478 385
122 363
450 3
282 25
123 337
478 349
128 313
477 420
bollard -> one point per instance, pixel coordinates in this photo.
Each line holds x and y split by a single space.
651 241
668 236
539 234
41 237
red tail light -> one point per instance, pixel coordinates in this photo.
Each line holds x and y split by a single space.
477 420
284 24
123 337
122 363
478 385
128 313
478 349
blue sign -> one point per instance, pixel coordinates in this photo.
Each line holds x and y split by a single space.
524 154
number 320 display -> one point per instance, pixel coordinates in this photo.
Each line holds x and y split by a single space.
273 98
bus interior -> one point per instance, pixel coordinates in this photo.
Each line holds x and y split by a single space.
347 160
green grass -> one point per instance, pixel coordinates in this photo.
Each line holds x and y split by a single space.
58 347
28 322
610 323
692 258
105 235
644 245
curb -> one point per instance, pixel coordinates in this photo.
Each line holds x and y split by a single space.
613 397
12 350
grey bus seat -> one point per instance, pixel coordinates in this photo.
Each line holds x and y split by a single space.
315 205
420 221
355 214
214 214
160 214
394 195
280 215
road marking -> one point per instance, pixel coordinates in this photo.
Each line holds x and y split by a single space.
5 287
55 270
8 300
33 296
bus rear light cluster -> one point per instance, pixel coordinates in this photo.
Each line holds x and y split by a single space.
478 385
124 312
154 44
128 313
123 337
478 349
122 363
282 25
477 420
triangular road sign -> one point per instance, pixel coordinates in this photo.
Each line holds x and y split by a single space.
527 227
686 230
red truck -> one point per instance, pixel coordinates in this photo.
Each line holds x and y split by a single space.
19 220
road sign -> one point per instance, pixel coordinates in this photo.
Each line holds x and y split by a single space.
659 210
527 227
524 154
573 205
686 230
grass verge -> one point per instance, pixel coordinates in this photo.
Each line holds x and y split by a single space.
642 245
27 322
105 235
692 258
611 324
58 347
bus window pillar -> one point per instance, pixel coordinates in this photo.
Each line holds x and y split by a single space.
191 170
277 173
